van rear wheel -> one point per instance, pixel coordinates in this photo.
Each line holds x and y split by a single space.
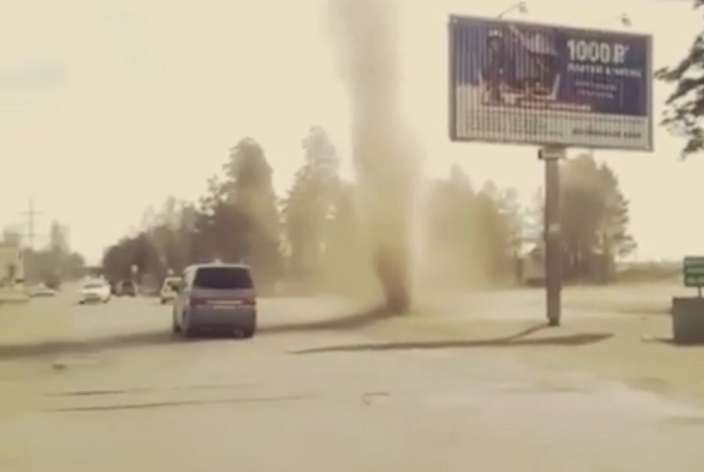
248 333
187 330
175 328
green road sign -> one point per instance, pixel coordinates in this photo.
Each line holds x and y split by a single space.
693 268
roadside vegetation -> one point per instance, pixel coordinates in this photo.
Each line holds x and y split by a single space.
311 240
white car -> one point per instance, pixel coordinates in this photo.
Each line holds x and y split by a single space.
41 290
168 293
94 292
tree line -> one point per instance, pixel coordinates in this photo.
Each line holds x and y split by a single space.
311 239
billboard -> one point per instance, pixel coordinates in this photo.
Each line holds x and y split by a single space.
525 83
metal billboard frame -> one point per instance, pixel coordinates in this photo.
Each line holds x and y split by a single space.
550 153
452 105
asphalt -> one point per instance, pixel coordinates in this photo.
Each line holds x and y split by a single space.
324 388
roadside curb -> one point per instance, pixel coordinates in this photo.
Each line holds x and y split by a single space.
14 300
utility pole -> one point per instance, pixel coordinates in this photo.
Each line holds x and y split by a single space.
31 237
31 214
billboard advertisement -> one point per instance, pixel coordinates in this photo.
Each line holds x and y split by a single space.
526 83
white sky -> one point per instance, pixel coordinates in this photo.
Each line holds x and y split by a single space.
133 100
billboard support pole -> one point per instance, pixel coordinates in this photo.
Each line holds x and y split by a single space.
552 156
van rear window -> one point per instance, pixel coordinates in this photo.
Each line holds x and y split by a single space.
223 278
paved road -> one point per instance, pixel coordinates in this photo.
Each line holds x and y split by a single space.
107 388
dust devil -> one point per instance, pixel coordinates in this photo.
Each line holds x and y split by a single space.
392 264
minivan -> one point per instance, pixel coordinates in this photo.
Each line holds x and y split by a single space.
215 297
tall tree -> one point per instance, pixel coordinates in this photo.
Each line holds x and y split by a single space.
170 234
685 105
511 215
117 260
594 217
58 238
346 266
453 249
498 220
309 206
249 188
613 231
218 225
533 220
56 254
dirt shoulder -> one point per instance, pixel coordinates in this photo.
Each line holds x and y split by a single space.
25 323
626 348
32 321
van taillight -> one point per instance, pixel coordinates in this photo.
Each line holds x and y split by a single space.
251 301
195 301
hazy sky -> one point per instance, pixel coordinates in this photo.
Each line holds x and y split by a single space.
109 106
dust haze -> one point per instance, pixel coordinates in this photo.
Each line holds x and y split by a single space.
365 38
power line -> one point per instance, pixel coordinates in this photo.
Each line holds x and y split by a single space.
31 215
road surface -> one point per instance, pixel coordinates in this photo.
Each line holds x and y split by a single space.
108 388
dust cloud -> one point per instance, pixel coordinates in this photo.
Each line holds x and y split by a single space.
365 38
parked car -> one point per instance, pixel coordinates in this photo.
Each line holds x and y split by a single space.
169 289
94 292
215 296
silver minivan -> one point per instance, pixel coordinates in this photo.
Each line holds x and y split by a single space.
215 297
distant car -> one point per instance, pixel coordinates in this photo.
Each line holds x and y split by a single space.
215 296
127 288
169 289
94 292
41 290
